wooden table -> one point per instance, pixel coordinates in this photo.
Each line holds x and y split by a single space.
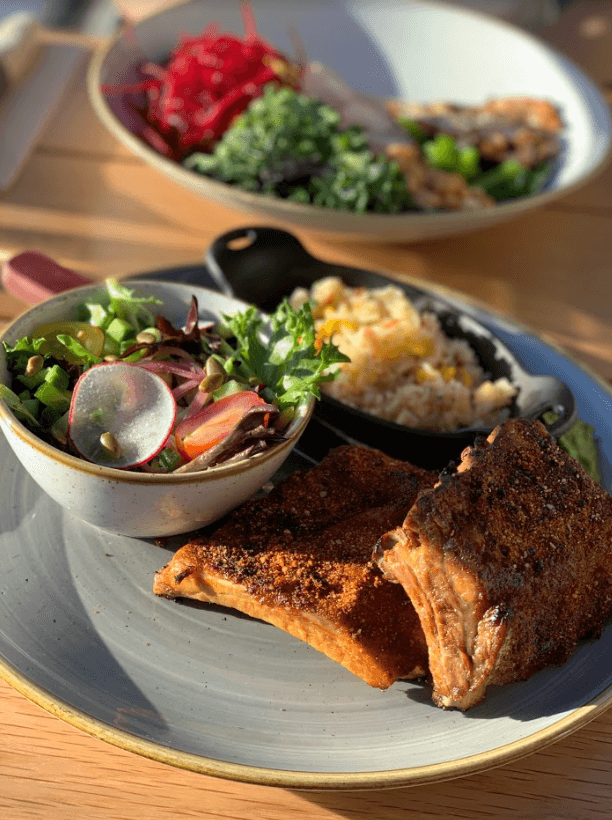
86 201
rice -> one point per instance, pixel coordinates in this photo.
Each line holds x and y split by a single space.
403 367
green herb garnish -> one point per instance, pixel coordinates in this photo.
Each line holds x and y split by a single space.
579 443
283 352
124 305
292 146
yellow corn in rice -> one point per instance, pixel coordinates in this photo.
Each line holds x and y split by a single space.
403 367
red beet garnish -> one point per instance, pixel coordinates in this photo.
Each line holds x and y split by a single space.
207 81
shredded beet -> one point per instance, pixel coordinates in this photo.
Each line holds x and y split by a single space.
207 81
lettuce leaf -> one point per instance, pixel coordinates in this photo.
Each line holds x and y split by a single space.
17 355
282 352
15 404
130 308
86 359
579 443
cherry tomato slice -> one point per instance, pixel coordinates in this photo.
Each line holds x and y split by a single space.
92 338
199 433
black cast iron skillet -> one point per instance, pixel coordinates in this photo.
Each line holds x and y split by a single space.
262 265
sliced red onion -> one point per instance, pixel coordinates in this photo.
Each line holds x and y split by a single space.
188 372
200 400
180 391
171 350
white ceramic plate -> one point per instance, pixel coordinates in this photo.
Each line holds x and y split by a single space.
420 51
199 687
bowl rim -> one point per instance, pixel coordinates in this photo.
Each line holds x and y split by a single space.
285 208
11 425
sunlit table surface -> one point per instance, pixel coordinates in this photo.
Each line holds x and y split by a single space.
83 199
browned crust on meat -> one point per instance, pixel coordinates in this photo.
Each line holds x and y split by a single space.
507 562
301 558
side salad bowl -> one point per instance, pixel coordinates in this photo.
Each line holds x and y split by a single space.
417 52
139 503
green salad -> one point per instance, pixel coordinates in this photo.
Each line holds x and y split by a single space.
292 146
579 442
121 386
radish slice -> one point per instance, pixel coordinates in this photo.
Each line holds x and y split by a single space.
125 405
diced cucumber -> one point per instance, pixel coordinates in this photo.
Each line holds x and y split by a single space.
58 377
49 416
32 382
32 406
120 330
93 313
59 429
52 396
168 460
111 347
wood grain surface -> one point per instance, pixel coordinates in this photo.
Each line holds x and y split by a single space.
84 200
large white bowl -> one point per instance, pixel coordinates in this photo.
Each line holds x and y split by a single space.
418 50
132 503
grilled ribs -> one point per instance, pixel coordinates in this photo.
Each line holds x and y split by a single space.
301 559
508 562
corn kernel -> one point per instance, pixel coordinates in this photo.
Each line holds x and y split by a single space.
418 347
464 377
424 374
331 326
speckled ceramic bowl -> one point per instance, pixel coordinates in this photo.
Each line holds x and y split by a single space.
132 503
419 51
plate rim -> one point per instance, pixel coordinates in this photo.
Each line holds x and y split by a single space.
329 781
309 781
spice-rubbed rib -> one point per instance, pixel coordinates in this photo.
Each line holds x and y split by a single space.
301 559
508 562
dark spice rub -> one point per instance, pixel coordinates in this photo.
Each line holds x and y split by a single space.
301 559
508 562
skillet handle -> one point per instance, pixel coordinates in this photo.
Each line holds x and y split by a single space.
33 277
250 262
